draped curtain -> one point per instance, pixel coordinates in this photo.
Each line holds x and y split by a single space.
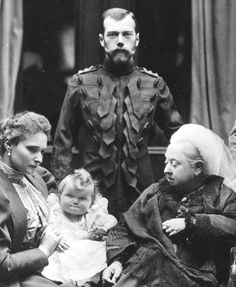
213 96
11 31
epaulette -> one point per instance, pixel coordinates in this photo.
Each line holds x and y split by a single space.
90 69
148 72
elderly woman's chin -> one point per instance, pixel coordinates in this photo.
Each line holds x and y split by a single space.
171 181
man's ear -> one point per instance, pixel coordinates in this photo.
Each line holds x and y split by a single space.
198 167
137 40
101 40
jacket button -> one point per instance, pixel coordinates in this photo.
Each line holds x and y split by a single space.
87 108
155 84
152 98
80 79
139 143
95 139
84 93
99 81
146 126
184 199
90 124
139 82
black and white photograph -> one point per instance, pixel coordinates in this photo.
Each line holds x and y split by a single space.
117 143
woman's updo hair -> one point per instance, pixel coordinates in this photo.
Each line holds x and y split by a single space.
21 125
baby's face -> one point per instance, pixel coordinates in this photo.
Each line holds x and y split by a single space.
76 202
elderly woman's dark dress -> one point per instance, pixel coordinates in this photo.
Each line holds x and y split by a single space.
197 256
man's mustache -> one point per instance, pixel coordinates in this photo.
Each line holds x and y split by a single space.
116 51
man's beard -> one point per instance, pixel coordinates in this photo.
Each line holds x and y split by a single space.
120 57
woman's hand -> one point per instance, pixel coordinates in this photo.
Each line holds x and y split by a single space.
112 273
49 240
174 226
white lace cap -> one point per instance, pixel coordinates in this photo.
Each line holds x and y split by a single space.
217 157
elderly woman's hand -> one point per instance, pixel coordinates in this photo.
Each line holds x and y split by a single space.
50 239
174 226
112 273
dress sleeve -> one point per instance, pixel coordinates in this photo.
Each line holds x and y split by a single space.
13 265
220 225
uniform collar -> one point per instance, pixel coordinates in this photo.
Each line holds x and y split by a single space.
119 71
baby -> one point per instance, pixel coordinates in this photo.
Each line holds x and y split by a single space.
80 214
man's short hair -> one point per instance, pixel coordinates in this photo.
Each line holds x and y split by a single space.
118 14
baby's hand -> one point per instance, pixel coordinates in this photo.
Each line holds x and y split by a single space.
98 233
62 246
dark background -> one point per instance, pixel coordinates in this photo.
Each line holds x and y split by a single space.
55 26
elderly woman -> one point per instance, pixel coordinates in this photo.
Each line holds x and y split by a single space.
25 240
180 230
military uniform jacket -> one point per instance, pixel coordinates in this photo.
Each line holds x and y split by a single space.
109 118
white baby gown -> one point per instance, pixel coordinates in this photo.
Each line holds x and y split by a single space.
85 257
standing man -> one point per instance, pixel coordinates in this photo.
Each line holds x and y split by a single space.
109 113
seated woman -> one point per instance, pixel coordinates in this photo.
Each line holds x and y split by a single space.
25 240
179 231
